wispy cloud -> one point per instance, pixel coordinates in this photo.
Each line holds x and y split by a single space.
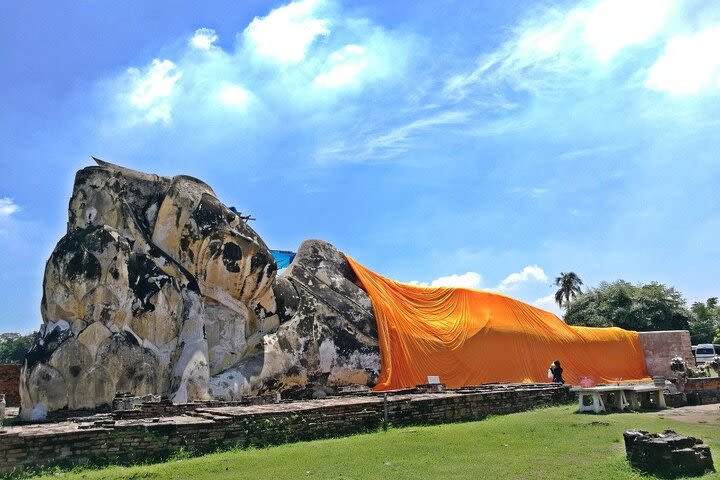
7 207
388 144
567 44
590 152
585 48
533 192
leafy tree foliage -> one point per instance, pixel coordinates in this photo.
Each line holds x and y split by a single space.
14 346
705 325
652 306
569 284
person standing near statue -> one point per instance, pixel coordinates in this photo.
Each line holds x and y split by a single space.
556 371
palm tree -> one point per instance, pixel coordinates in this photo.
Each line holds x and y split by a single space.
569 284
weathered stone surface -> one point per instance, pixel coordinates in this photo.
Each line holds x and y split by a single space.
158 288
327 334
667 454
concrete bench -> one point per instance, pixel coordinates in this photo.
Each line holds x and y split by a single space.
600 398
624 396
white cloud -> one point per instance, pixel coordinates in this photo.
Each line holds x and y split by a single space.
612 25
464 280
150 90
531 273
345 66
234 96
689 64
7 207
203 39
286 33
567 43
202 81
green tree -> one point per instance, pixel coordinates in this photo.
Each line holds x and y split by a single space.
569 284
14 346
652 306
706 321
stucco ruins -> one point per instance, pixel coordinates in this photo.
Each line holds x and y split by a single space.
159 288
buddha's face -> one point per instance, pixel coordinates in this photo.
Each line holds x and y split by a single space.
229 260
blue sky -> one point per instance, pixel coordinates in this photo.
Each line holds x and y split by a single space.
483 144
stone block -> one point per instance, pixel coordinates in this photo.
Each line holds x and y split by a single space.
667 454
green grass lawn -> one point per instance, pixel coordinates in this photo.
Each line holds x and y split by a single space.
550 443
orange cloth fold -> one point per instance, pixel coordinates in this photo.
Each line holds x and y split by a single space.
470 337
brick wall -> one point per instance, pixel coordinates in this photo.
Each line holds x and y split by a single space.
660 347
106 439
701 391
10 384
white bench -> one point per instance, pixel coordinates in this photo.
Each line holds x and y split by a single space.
653 392
624 396
600 396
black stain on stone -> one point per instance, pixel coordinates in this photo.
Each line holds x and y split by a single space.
184 242
130 338
258 260
79 248
146 280
231 254
44 347
114 271
215 246
106 313
83 264
75 370
209 214
345 342
177 217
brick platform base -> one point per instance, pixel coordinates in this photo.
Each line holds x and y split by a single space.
118 439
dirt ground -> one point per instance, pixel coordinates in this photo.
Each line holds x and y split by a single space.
709 414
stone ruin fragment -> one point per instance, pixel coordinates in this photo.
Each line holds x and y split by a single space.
667 454
157 288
